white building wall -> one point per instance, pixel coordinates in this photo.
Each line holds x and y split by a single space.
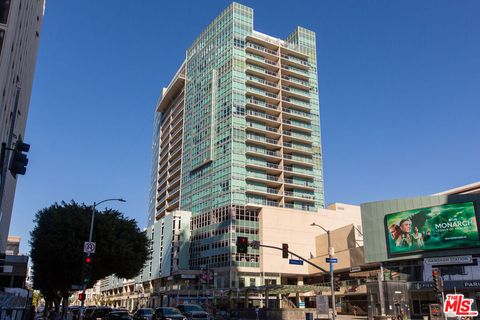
21 36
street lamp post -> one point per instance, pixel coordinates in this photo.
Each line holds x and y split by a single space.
330 255
90 236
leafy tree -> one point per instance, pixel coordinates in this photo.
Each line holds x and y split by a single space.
57 248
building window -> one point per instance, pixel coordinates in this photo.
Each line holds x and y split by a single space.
241 282
4 9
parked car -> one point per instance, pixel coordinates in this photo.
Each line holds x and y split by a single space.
118 314
98 313
143 314
168 313
193 311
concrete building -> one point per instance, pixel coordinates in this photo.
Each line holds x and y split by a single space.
20 27
411 237
239 132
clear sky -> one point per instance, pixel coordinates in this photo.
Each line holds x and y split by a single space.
399 95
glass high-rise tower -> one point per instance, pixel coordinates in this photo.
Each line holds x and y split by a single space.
239 130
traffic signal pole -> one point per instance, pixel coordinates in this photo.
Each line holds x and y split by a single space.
84 285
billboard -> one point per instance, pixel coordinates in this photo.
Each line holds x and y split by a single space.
442 227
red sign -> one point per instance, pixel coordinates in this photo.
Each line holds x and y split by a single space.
456 305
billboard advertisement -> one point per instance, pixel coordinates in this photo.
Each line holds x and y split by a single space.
442 227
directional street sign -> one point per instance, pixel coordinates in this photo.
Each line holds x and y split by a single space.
332 260
89 247
294 261
77 287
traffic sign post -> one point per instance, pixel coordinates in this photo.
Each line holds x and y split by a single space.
89 247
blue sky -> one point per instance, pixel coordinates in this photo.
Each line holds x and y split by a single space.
399 94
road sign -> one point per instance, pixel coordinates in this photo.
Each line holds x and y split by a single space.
294 261
332 260
89 247
255 244
77 287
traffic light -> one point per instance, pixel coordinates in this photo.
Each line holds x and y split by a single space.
81 297
87 270
337 284
437 280
242 245
19 161
285 250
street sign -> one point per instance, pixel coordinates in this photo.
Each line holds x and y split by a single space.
332 260
255 244
294 261
77 287
89 247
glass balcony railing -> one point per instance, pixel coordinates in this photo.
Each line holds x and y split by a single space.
262 92
263 202
262 127
298 158
262 70
299 195
261 103
295 59
264 151
295 90
262 139
261 59
293 79
297 146
262 115
297 123
264 176
261 48
297 135
296 101
293 69
299 182
293 111
262 81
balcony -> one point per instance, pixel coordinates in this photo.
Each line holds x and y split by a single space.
268 141
268 191
272 120
262 105
262 49
263 202
263 129
292 135
290 70
295 93
263 151
295 171
303 196
254 69
298 114
298 125
298 148
305 85
265 178
269 167
265 84
296 102
298 61
264 62
302 160
264 95
300 183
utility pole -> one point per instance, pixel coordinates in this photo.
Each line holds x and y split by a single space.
331 253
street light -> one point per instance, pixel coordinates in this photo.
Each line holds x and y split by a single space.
330 255
90 235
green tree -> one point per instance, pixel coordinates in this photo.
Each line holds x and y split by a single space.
57 248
